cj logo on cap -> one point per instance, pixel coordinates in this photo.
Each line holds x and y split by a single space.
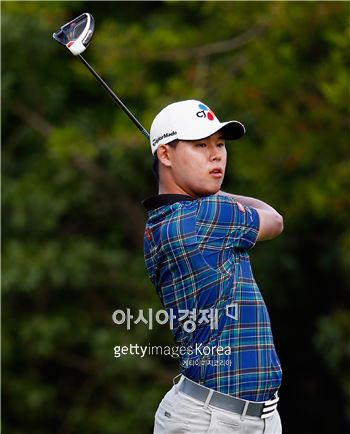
205 112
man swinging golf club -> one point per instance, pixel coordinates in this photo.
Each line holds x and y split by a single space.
196 251
196 246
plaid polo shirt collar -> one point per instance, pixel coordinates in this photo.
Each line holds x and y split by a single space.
159 200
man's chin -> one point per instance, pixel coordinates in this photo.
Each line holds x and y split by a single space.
208 192
200 189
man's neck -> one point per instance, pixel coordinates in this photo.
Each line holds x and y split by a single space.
174 190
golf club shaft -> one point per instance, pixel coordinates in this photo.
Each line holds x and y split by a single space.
114 96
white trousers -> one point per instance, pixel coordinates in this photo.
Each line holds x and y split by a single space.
179 413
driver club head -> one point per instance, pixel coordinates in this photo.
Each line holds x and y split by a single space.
76 34
75 37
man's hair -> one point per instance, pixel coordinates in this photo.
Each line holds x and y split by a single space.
155 165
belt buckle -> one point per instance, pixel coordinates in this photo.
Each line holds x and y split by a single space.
269 408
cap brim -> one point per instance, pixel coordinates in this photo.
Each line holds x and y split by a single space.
232 130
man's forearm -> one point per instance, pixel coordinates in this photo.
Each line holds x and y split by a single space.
262 207
250 201
271 222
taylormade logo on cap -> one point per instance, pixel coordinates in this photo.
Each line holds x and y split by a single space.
164 136
190 120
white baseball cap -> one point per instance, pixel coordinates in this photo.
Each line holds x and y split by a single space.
190 120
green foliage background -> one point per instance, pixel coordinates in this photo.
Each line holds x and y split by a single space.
74 170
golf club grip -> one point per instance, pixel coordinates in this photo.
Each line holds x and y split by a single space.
114 96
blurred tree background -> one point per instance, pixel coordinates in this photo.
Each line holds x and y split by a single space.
75 169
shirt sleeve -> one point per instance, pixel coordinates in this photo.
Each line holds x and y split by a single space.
222 223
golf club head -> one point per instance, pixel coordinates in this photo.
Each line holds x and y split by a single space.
76 34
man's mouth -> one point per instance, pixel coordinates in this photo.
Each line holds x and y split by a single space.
217 172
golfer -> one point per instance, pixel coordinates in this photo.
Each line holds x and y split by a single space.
197 243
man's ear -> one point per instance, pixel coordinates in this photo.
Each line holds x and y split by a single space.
163 155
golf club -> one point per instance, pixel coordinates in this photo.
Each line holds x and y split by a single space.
75 36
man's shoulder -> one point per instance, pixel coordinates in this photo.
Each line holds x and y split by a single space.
218 198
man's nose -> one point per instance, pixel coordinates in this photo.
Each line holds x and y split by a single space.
215 155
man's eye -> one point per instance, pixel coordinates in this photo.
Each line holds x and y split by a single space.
221 144
200 145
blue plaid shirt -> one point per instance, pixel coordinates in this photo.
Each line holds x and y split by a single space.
196 254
